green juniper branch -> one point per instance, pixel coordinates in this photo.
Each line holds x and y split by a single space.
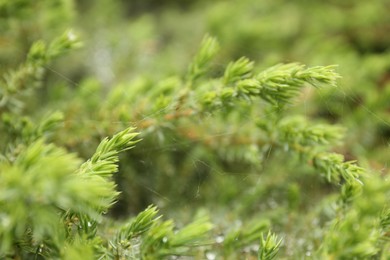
45 178
54 206
20 82
103 162
269 246
209 48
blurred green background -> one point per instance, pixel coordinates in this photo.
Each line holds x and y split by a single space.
134 52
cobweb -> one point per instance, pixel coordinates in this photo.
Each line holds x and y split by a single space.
198 163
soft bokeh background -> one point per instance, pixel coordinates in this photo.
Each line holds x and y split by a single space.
132 48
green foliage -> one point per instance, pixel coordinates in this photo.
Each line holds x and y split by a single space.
208 50
43 183
147 237
244 236
282 82
128 148
29 75
333 166
238 70
269 247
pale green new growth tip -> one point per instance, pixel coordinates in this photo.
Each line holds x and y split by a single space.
282 82
103 162
29 75
269 246
140 224
208 49
238 70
